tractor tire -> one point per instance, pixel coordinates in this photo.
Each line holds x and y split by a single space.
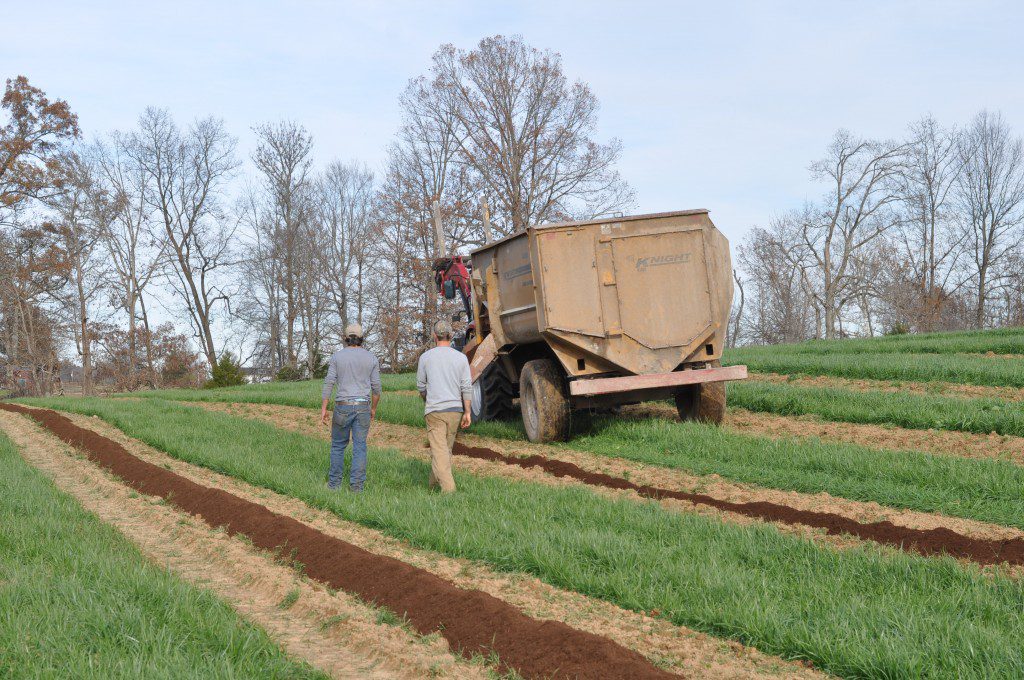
492 398
546 412
703 403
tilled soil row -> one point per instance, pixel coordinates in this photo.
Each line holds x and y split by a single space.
330 629
473 622
929 542
728 499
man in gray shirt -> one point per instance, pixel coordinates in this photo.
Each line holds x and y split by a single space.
443 380
356 372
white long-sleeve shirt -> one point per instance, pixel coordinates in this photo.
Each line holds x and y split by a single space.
443 377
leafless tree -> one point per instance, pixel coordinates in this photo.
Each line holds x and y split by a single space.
186 172
929 243
345 213
856 209
81 213
284 158
783 307
990 193
527 132
421 170
135 257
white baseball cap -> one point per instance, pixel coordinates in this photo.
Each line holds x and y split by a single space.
354 329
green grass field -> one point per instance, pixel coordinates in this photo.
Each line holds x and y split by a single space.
999 341
954 368
787 596
77 600
915 411
857 612
986 490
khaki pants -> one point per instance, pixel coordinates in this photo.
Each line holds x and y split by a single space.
441 431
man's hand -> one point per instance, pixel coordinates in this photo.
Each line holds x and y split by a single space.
466 420
323 412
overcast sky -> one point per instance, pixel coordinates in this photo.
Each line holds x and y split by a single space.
721 107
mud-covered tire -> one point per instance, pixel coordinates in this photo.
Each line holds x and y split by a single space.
492 398
546 413
704 403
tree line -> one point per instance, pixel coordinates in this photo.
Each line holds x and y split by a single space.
268 261
914 235
261 261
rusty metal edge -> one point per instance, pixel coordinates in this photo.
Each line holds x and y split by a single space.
596 386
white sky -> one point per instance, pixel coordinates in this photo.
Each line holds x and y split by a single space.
718 105
721 107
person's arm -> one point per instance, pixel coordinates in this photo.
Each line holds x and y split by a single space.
466 385
421 379
375 388
325 393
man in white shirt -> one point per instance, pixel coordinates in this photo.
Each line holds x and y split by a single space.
443 380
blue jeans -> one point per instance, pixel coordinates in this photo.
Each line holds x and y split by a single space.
349 421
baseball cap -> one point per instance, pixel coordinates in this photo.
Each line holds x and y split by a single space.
354 329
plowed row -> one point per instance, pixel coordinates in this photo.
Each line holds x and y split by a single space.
473 622
924 541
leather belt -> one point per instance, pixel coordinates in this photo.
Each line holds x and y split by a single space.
353 403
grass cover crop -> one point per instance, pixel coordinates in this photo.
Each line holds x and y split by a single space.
914 411
986 490
783 594
954 368
999 341
78 600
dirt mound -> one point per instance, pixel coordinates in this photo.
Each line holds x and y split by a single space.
473 622
925 541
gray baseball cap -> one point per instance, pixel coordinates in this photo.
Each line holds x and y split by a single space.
443 330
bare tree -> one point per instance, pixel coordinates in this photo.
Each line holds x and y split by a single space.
344 211
929 243
856 210
527 132
990 192
135 256
81 212
422 169
284 157
186 173
779 285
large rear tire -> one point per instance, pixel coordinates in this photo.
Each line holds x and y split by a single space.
703 403
546 413
492 396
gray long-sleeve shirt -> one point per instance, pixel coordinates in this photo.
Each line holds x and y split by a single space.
355 371
443 377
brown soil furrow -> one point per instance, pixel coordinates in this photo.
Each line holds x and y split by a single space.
880 437
332 631
924 541
867 385
691 653
990 545
473 622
